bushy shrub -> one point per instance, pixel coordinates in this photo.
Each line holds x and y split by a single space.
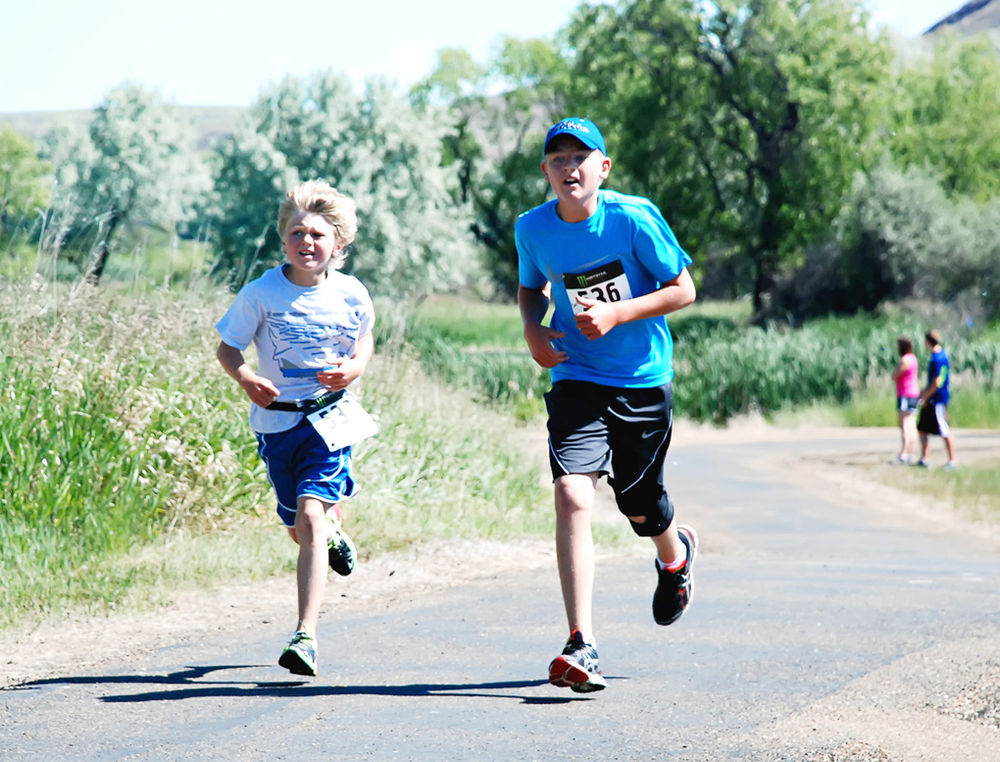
903 237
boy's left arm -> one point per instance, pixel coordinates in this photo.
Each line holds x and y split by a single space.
600 317
349 369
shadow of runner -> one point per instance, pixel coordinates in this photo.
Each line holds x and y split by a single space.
191 677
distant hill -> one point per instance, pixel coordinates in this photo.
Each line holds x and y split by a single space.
975 17
34 124
209 121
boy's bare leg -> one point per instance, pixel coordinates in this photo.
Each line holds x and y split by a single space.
311 533
574 499
668 544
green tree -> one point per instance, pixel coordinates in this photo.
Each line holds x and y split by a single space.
987 246
413 237
945 115
500 111
22 192
250 177
901 236
744 121
136 165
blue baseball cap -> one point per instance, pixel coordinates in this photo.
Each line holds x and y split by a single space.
582 129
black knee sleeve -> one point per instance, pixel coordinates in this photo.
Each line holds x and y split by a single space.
658 512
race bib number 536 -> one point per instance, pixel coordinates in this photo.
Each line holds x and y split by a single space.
606 283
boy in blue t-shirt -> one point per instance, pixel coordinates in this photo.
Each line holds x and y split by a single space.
613 269
934 402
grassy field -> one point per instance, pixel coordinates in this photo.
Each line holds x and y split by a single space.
151 260
973 490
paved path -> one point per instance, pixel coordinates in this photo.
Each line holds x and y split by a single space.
818 632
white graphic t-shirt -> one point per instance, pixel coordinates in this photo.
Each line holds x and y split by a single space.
297 331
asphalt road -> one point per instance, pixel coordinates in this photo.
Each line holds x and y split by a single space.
820 630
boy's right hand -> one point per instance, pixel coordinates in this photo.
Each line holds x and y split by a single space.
259 389
540 338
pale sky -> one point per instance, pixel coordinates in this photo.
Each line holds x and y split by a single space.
66 54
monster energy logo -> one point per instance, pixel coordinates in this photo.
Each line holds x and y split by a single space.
597 275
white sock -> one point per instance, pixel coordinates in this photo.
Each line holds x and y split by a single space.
676 564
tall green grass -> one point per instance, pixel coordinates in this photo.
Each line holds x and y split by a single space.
729 370
725 367
129 465
112 435
478 346
145 258
443 467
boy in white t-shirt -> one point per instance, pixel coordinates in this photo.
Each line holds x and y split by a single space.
312 329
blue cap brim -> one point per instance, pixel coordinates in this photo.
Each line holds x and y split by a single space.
582 129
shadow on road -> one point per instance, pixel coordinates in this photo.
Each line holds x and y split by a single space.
195 687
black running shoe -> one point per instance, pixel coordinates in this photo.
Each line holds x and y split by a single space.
299 657
577 667
673 591
340 548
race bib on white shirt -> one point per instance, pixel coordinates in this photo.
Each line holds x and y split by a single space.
343 423
607 283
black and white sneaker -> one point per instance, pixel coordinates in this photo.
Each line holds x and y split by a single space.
577 667
340 549
673 591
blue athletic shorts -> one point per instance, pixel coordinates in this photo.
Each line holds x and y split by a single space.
299 464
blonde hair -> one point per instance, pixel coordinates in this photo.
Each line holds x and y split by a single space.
319 197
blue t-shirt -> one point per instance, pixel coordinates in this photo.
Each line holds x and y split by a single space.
938 368
624 250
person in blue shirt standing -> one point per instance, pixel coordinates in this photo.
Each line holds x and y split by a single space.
934 402
612 269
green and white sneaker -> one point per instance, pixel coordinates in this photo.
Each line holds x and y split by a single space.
299 656
340 548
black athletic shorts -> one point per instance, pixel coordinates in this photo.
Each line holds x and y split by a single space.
933 419
611 430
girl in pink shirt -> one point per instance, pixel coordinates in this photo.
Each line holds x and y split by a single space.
907 397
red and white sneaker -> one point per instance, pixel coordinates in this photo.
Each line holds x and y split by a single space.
577 667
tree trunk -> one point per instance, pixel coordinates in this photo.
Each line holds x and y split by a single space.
96 271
